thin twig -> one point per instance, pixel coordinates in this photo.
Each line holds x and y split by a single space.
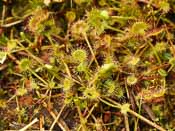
149 111
11 24
115 104
90 48
30 124
82 119
41 122
90 112
146 120
60 122
58 116
3 14
126 122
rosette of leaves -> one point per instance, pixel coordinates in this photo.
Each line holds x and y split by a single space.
38 17
98 19
49 27
80 57
110 86
78 29
42 23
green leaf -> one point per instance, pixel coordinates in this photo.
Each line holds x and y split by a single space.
70 16
160 46
131 80
133 60
104 14
162 72
34 85
11 45
79 55
125 108
98 20
139 28
172 61
21 91
79 28
3 103
164 6
24 64
106 68
91 93
68 83
82 67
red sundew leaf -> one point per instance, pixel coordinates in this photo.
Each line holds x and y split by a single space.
26 100
107 117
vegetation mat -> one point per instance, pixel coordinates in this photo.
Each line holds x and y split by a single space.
87 65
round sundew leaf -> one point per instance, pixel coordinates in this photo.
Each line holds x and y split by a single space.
162 72
70 16
131 80
165 6
139 28
79 55
172 61
67 84
24 64
91 93
21 91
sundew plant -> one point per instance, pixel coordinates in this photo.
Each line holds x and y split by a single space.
87 65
